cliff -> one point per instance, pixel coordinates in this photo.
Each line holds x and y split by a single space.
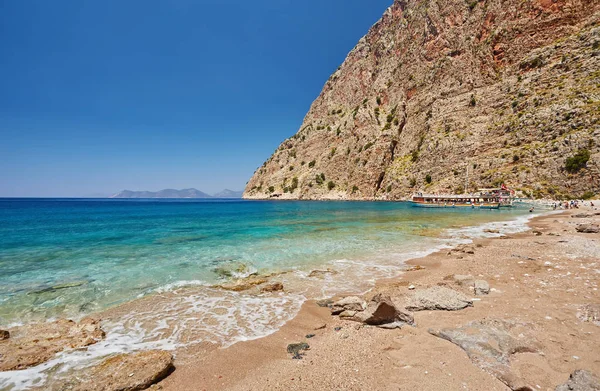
508 89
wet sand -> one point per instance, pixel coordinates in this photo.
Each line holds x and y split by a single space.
541 278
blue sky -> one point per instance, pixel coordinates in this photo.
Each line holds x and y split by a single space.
99 96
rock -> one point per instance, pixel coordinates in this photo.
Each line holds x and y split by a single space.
415 268
275 287
4 334
297 350
123 372
464 248
481 287
463 279
309 336
321 326
590 313
243 284
321 273
381 311
490 345
588 228
580 380
325 303
34 344
411 287
537 233
231 269
437 298
582 216
338 328
491 231
350 303
347 314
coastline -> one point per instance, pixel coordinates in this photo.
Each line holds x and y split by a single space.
358 357
255 359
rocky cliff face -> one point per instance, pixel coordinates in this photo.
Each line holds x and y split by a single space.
506 89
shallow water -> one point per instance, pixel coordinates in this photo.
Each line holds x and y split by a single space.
70 258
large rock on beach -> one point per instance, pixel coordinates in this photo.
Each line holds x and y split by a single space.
242 284
588 228
34 344
381 311
490 345
4 334
123 372
580 380
350 303
437 298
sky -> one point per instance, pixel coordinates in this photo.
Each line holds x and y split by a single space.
103 95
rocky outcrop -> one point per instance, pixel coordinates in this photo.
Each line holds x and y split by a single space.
490 344
580 381
437 298
506 89
123 372
380 311
36 343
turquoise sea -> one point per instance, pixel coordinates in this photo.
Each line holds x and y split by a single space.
74 257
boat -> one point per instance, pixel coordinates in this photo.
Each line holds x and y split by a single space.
485 199
474 201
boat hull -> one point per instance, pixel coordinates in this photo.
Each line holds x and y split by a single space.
477 206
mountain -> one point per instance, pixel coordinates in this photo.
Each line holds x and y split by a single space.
166 193
499 91
229 194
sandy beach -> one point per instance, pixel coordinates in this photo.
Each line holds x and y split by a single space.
544 287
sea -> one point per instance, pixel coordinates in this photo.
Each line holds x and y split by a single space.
157 263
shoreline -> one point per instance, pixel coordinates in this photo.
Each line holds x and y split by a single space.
264 361
269 349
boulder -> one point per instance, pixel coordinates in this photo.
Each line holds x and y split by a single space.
381 311
242 284
324 303
490 345
275 287
123 372
588 228
350 303
437 298
481 287
34 344
580 380
4 334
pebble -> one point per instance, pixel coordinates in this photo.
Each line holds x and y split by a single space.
411 287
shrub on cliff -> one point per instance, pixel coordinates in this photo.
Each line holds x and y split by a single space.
330 185
577 161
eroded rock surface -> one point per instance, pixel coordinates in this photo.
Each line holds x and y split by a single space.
381 311
34 344
437 298
490 345
123 372
350 303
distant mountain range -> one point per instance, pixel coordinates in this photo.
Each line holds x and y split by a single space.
173 193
